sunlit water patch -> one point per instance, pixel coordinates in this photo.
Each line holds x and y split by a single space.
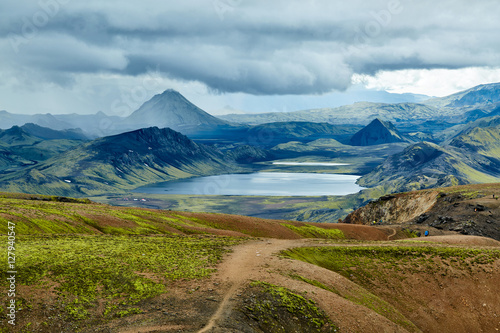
260 183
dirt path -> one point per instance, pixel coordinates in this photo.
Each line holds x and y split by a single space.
244 265
392 234
257 261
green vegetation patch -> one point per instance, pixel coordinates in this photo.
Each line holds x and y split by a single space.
277 309
310 231
380 272
105 276
365 264
363 297
314 283
46 215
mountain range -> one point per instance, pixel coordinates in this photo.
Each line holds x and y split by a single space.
121 162
483 95
471 157
442 146
171 109
360 113
140 269
30 144
451 108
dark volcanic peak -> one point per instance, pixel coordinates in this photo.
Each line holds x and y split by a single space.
152 140
375 133
161 148
171 109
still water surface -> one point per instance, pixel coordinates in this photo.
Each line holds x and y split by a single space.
260 183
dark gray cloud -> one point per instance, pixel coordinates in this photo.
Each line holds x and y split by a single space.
256 47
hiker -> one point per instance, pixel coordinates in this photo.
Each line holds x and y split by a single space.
426 233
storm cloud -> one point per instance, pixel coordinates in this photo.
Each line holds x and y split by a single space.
255 47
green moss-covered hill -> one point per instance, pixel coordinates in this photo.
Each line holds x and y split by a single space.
39 214
117 163
471 157
87 267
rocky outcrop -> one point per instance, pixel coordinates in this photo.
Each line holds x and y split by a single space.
394 209
468 210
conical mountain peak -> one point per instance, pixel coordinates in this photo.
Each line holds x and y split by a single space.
375 133
171 109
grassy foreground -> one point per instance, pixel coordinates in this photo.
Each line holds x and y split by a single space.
366 263
397 279
88 280
36 214
84 267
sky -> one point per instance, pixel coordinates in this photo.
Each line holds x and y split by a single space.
65 56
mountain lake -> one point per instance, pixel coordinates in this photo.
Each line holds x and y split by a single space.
259 183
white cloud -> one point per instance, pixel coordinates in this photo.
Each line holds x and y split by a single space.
259 47
432 82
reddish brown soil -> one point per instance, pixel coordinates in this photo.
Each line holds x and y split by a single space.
462 240
461 301
468 210
456 301
105 218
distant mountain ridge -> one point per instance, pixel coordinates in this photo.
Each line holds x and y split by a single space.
94 125
30 144
168 109
270 134
360 113
15 136
171 109
484 94
46 133
31 133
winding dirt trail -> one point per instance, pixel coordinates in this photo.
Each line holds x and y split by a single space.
256 260
392 234
244 264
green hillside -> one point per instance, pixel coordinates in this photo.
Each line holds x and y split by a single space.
31 143
117 163
472 157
